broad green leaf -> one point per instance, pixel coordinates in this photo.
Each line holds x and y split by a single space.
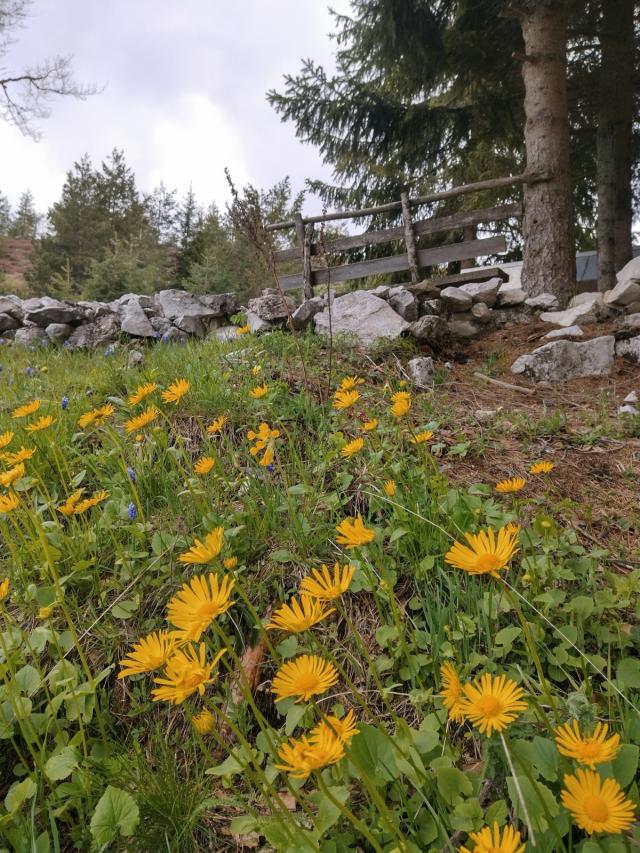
628 673
28 679
623 768
287 648
18 793
282 556
328 813
62 764
452 784
372 753
541 803
496 813
294 715
116 812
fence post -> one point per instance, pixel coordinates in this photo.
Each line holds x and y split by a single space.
409 237
304 241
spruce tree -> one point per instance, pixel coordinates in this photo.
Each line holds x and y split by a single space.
24 223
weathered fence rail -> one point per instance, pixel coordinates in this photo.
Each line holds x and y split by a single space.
413 258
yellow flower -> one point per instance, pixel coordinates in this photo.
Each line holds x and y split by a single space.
300 615
353 532
4 589
188 672
197 603
452 694
352 447
301 757
344 729
389 488
304 677
256 370
515 484
243 330
19 456
87 503
45 612
204 552
259 391
139 437
142 392
544 467
421 437
204 465
42 423
487 555
401 403
264 439
345 399
8 478
495 840
142 420
216 426
69 506
596 804
9 502
149 653
26 410
590 750
6 438
204 722
96 416
350 382
230 562
491 703
369 426
176 391
325 586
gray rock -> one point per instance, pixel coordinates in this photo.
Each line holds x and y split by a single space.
271 306
305 312
631 321
463 329
543 302
93 310
510 297
455 299
224 333
584 308
481 313
632 397
362 314
633 308
58 332
222 304
485 292
630 271
135 358
177 303
160 325
422 371
103 330
174 336
629 348
53 311
31 336
135 322
191 325
484 415
429 329
8 322
382 291
623 294
143 300
430 306
11 305
257 324
569 332
31 304
628 410
404 303
561 361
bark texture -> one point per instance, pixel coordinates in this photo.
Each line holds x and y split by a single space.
549 248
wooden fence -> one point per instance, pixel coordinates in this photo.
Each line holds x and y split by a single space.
412 259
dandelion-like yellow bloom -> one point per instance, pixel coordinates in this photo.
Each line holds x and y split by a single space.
9 502
96 416
304 677
87 503
26 410
345 729
21 455
452 694
350 382
45 612
204 465
495 840
216 426
8 478
544 467
176 391
264 439
491 703
4 589
243 330
142 392
514 484
297 616
197 603
353 533
230 562
69 506
486 554
302 756
352 447
142 420
204 722
590 749
345 399
42 423
259 391
596 804
6 438
188 672
400 403
369 426
149 653
389 488
256 370
422 437
204 552
326 586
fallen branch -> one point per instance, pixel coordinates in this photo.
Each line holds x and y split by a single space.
528 391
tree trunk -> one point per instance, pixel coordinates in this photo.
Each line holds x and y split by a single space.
549 247
469 232
614 140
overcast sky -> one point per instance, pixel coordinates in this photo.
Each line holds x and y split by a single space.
184 85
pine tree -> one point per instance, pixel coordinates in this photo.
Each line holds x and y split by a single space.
5 215
162 212
26 219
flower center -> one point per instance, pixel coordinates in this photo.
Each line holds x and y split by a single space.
306 682
487 562
490 706
590 749
207 610
595 808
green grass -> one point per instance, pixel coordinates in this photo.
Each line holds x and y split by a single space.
90 762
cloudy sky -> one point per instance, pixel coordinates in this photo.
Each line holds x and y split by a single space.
183 92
